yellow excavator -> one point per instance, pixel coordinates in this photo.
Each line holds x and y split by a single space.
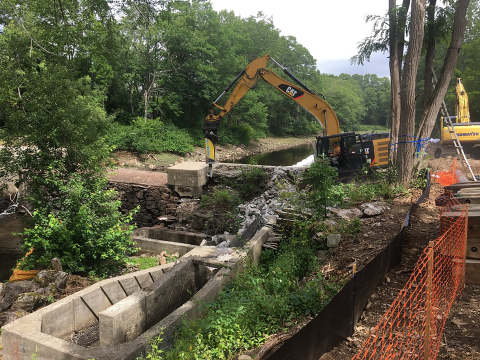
347 151
468 132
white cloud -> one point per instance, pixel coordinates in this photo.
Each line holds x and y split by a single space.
330 30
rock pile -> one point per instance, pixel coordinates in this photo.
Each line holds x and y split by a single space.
19 298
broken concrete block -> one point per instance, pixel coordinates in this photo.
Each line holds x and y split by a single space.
333 240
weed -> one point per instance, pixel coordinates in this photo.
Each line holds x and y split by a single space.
252 182
156 352
320 177
419 178
221 205
35 355
350 227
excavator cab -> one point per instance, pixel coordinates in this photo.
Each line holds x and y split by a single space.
351 156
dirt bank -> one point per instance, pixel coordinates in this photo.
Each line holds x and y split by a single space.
460 337
160 162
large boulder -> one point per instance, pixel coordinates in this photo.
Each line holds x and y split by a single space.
374 208
12 289
333 240
347 214
29 302
46 277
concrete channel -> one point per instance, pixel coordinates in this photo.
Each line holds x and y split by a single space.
116 318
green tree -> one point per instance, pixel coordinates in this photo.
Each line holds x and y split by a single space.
389 34
54 79
344 95
376 96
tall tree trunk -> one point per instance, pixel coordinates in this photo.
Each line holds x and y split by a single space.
394 79
428 86
396 45
430 111
406 148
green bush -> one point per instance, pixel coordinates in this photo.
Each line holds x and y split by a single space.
350 227
419 178
320 177
151 136
242 133
82 226
221 206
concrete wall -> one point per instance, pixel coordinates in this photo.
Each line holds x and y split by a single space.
46 331
133 315
148 245
165 234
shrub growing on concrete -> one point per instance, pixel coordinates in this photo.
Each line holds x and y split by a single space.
320 177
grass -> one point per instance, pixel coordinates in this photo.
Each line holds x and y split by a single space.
142 263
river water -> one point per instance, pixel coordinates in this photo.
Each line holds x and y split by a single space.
10 249
297 155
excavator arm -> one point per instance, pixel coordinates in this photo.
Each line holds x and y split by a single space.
246 80
462 109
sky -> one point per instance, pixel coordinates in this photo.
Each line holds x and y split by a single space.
329 29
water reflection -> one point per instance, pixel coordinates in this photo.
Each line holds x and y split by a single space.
10 250
286 157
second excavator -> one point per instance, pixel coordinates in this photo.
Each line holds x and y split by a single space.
352 151
467 132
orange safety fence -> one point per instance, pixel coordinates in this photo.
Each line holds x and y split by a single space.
447 177
412 327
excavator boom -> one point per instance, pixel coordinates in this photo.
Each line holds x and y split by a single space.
462 109
247 79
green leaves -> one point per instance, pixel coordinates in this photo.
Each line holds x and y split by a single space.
320 176
151 136
81 227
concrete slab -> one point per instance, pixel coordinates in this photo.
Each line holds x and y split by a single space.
157 246
161 233
254 246
188 178
124 321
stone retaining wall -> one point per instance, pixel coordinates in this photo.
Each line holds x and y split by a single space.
154 202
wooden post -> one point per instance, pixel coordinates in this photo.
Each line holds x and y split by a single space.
428 301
